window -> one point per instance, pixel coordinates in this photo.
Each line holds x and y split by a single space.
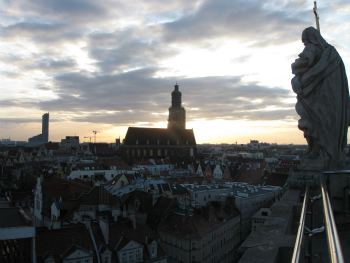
124 259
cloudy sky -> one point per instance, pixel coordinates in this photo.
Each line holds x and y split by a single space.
106 65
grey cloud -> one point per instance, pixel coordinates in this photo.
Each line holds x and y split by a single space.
138 97
280 114
242 19
18 120
40 32
20 103
72 7
136 94
127 49
229 98
64 10
53 64
4 121
124 118
10 74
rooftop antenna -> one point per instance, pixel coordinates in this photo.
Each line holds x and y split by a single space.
317 17
95 132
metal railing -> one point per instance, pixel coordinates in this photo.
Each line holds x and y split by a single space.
301 228
334 247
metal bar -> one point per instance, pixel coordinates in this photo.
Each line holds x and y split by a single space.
334 247
300 234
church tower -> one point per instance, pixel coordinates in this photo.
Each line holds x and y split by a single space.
177 113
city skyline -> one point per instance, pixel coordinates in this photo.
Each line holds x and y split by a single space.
99 68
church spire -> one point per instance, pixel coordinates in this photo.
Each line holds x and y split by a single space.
176 97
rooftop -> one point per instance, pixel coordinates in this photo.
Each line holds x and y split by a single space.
155 136
264 244
13 217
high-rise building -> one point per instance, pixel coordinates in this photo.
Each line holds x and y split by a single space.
45 127
177 113
44 136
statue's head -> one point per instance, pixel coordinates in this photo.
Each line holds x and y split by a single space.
311 35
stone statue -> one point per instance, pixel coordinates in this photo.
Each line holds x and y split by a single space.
321 86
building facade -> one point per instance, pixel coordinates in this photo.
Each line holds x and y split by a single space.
210 234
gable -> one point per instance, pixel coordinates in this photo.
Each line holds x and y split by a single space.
122 181
217 169
49 259
199 170
131 245
78 253
106 252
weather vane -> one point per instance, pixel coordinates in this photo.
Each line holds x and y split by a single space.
316 17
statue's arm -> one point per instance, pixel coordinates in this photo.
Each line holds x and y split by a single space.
305 61
309 54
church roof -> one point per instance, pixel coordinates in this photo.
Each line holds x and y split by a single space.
161 136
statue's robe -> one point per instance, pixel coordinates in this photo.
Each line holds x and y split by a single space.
322 98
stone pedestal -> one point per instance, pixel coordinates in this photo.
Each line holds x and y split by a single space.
299 178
